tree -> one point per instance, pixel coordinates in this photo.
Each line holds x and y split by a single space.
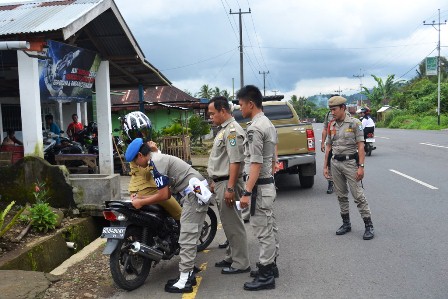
198 128
383 92
205 92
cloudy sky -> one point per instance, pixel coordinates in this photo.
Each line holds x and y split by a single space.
308 47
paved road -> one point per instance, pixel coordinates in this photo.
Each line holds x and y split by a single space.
406 187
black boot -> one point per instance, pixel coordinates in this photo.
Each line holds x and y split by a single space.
264 281
369 233
330 187
187 287
254 273
346 225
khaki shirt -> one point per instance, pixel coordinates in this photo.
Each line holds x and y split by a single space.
141 179
176 170
259 146
344 136
329 117
227 148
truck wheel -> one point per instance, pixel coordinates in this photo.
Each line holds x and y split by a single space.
306 181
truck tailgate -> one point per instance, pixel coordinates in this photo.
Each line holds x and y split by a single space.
292 140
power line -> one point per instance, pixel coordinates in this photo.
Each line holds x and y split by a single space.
415 65
198 62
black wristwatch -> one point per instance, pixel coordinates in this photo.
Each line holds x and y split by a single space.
247 193
230 190
361 165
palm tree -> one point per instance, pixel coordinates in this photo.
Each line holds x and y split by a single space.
383 91
205 92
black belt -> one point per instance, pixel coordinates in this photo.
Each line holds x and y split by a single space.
220 179
262 181
344 157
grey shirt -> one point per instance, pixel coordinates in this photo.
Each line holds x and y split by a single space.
227 148
176 170
259 146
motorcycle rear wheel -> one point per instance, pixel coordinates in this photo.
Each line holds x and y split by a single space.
129 271
208 230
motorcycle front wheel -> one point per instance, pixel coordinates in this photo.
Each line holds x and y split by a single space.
129 270
208 230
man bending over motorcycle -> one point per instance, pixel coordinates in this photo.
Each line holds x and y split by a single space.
173 175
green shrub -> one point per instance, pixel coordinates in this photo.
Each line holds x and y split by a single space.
42 217
3 214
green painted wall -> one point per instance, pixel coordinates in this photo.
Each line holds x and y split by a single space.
159 118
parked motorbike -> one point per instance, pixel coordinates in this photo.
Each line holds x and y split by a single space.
368 144
65 146
88 138
138 239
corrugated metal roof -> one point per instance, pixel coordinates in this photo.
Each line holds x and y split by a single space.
42 16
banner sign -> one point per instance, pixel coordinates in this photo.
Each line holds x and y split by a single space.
431 66
67 73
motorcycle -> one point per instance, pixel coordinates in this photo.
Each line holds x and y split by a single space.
88 138
138 239
65 146
368 144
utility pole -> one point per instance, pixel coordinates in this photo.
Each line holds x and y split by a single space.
338 91
438 66
233 88
264 80
241 44
360 85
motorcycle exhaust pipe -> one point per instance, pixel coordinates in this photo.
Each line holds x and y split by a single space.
146 251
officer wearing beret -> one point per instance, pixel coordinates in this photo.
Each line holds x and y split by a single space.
225 168
142 183
346 139
173 175
260 193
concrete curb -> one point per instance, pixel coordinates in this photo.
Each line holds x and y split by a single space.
79 256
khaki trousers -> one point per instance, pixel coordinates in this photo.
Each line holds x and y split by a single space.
344 172
191 223
264 225
237 252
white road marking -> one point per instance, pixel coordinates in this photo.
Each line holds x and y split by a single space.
434 145
382 137
414 179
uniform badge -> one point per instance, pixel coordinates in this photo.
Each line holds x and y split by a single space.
360 127
232 139
220 135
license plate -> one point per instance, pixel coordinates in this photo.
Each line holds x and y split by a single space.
370 140
281 165
113 232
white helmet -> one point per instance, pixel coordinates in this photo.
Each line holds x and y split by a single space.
137 125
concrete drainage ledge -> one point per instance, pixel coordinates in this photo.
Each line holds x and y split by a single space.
49 252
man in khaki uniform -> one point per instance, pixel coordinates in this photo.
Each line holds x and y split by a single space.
260 193
225 168
346 139
174 176
328 118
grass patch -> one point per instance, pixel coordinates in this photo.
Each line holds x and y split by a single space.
400 120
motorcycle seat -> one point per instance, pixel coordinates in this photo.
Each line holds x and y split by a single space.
153 209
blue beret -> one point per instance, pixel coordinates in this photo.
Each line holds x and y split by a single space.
132 150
